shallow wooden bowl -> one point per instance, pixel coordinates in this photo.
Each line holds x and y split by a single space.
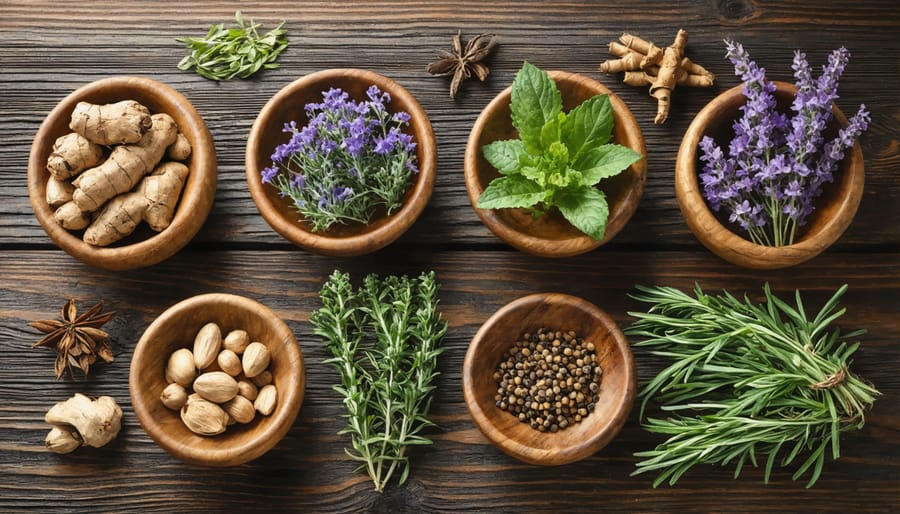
175 328
144 247
288 105
551 235
834 209
558 312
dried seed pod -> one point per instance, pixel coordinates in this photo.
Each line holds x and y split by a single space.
216 386
229 362
62 439
263 379
207 344
266 400
203 417
237 341
174 396
180 368
247 389
240 408
255 360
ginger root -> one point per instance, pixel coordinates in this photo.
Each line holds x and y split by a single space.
96 421
71 155
180 149
70 217
153 201
125 167
120 123
644 63
58 192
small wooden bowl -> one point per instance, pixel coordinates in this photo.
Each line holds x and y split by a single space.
551 235
557 312
175 328
288 105
834 209
144 247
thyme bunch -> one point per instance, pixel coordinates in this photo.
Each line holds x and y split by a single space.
747 381
384 340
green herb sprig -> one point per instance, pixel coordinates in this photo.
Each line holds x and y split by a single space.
226 53
384 339
747 381
558 158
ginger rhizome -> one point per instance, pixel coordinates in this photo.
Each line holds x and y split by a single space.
109 195
661 68
82 420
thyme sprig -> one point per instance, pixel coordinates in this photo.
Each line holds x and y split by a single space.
226 53
384 339
747 381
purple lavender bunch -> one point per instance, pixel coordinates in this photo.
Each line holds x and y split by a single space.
776 166
351 160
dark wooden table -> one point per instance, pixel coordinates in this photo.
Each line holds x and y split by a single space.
48 49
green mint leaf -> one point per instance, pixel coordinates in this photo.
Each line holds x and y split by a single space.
509 192
535 100
588 125
604 161
550 132
505 155
585 208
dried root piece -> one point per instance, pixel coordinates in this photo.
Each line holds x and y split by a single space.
71 155
123 122
58 192
125 167
180 149
97 422
662 68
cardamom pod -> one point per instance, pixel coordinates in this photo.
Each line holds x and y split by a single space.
240 408
247 389
174 396
255 360
266 400
203 417
229 362
180 369
216 386
207 344
237 341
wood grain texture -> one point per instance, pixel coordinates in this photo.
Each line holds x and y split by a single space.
49 49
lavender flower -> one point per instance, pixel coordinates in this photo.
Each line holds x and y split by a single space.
349 162
776 165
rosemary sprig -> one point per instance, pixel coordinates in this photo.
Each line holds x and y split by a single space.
747 381
226 53
384 339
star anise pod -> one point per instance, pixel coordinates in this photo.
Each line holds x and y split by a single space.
462 63
78 340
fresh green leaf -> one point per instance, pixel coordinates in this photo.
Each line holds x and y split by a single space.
585 208
550 132
588 125
535 100
510 192
605 161
506 156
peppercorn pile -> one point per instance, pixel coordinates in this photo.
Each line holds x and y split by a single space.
550 380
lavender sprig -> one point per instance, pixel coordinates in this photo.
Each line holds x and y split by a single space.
350 160
776 166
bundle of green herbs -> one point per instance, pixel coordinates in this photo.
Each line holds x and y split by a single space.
747 381
385 340
559 157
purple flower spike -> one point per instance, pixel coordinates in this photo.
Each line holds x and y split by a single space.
268 174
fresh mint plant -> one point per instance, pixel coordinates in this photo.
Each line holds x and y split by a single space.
558 158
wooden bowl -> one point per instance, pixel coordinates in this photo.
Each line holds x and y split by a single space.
144 247
288 105
527 315
551 235
175 328
834 209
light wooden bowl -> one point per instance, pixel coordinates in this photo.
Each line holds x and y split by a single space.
288 105
558 312
144 247
175 328
834 209
551 235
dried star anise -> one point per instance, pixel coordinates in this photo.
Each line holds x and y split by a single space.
78 340
462 63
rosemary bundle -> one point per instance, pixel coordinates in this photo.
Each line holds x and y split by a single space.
747 381
384 338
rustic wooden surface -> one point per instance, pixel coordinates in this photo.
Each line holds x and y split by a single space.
48 49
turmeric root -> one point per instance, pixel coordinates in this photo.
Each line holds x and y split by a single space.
71 155
153 201
123 122
125 167
645 63
70 217
180 149
58 192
